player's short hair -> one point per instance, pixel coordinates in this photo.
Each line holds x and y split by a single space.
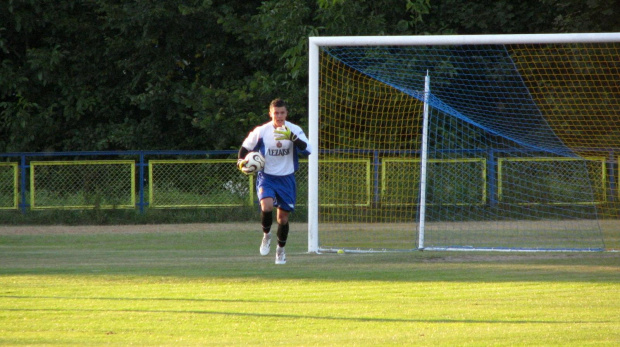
277 103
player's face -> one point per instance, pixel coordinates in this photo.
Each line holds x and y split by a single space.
278 115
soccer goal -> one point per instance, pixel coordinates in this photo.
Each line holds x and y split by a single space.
486 142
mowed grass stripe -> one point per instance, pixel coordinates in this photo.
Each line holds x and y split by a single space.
212 288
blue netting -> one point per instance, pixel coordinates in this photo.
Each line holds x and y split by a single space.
479 85
497 176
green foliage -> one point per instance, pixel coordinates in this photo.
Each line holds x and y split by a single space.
198 74
585 16
528 16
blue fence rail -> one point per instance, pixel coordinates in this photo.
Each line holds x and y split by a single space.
375 157
141 165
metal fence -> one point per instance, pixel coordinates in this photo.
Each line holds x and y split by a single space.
122 180
210 179
8 186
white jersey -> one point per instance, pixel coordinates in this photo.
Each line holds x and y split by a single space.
281 157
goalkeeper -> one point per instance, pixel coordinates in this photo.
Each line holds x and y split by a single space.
280 142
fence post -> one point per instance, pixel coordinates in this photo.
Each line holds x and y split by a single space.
23 167
491 178
613 189
141 183
375 164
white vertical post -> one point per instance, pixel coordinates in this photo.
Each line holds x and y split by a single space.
423 162
313 159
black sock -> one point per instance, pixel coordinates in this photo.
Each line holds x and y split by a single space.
282 234
266 219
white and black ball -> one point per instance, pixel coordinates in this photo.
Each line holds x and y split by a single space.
255 162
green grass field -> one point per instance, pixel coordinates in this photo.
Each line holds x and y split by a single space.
197 285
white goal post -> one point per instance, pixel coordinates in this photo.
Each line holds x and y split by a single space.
316 44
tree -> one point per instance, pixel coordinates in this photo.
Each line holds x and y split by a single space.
198 74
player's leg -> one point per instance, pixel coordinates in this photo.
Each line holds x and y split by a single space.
282 235
285 195
282 227
266 220
266 197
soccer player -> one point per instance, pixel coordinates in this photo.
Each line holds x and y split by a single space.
280 142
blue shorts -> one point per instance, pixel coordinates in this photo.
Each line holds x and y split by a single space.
282 189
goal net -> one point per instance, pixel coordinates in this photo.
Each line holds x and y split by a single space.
462 142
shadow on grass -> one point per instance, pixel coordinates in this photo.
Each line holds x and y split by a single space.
306 317
234 254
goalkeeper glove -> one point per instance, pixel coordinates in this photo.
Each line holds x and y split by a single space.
241 164
284 133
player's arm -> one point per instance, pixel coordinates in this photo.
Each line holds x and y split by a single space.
241 157
301 144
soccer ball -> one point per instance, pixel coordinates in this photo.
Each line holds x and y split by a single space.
255 163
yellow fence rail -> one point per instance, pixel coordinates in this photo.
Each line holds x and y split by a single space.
355 190
9 197
358 182
82 184
198 183
559 181
461 182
